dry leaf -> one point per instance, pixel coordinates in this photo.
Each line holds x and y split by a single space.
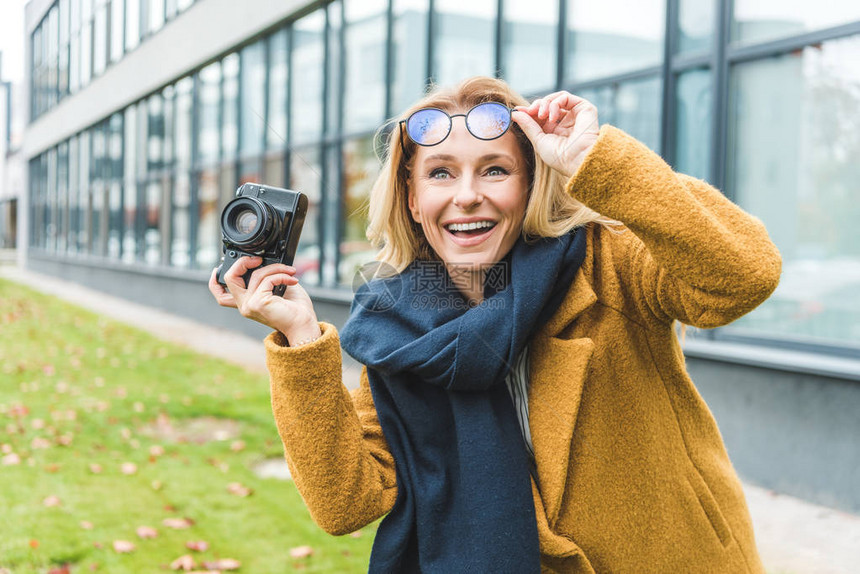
39 442
64 569
237 445
147 532
128 468
238 489
156 485
156 450
86 525
178 523
197 545
34 544
95 468
301 552
123 546
185 562
52 501
11 459
223 564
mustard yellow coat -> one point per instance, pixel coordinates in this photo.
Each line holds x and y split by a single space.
632 473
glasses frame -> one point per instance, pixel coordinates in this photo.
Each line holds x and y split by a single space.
451 124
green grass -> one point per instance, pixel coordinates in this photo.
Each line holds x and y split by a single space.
69 376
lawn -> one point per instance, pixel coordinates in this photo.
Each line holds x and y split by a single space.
123 453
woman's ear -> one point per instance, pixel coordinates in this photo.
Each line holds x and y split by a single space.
413 205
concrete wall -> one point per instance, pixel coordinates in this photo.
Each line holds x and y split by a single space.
792 432
795 433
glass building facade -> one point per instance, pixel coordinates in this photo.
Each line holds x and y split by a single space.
759 98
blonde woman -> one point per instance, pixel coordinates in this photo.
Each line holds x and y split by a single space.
524 405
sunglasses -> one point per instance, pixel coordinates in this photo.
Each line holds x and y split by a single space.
430 126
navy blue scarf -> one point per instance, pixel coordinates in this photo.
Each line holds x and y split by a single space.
436 370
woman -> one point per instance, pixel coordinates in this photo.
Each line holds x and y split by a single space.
524 404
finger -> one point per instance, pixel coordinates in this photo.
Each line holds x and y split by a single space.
233 277
528 124
259 274
269 282
222 296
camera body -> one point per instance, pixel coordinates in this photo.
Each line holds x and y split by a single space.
262 221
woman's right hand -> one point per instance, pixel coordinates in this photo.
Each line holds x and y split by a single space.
293 314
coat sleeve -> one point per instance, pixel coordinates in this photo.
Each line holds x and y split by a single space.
692 255
333 443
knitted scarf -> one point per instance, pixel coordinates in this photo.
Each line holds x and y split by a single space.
436 370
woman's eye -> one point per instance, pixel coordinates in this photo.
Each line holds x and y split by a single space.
440 173
496 171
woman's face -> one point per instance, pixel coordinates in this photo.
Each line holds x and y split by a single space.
469 195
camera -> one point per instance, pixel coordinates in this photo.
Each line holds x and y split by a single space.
262 221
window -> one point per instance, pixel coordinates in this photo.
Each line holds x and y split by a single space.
696 24
792 162
611 37
365 64
759 20
307 84
360 168
409 52
276 134
530 44
305 176
633 106
693 123
465 40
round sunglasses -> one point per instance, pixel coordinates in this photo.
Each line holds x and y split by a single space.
430 126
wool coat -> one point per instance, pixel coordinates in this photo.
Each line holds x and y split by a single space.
632 473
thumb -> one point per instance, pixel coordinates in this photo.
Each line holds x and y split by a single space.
529 126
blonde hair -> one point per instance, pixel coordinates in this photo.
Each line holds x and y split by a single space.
550 211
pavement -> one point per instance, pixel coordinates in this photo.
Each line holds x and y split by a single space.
793 536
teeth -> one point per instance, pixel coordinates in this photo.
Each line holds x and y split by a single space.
468 226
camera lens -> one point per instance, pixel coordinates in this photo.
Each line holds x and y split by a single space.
249 224
246 222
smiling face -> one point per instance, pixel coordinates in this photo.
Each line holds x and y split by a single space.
469 196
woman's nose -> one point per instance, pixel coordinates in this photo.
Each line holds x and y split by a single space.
467 194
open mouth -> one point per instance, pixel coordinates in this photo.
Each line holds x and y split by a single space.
470 229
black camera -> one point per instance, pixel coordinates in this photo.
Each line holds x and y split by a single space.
262 221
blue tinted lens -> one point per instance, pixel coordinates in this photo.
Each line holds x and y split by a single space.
488 121
428 126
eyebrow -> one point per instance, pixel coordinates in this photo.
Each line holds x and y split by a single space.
449 157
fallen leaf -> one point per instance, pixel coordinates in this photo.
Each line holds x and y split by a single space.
95 468
185 562
64 569
139 407
146 532
178 523
51 501
37 424
223 564
238 489
123 546
197 545
128 468
11 459
6 448
34 543
156 485
52 468
156 450
237 445
86 525
39 442
301 552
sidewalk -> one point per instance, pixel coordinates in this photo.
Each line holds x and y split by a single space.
793 536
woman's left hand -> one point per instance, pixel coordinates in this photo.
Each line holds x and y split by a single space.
562 128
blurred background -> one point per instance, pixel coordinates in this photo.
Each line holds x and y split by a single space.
126 125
